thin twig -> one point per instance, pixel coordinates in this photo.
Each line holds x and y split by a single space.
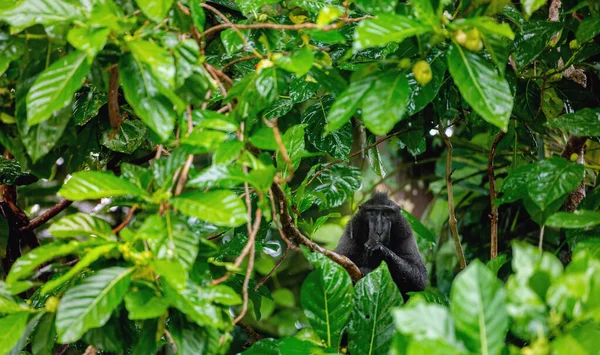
171 341
282 149
190 157
113 98
452 216
239 60
541 239
127 219
494 208
46 216
276 26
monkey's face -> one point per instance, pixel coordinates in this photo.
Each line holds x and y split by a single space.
380 224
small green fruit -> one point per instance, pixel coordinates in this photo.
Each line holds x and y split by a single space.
52 304
404 63
573 44
422 72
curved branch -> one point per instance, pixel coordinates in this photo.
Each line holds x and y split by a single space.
291 230
494 208
46 216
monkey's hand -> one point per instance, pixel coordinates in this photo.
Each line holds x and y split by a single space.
372 247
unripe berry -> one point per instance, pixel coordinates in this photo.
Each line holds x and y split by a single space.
422 72
52 304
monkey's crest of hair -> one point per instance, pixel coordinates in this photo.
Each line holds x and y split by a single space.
380 198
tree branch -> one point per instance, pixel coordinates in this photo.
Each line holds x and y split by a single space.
452 216
575 145
113 98
494 208
46 216
290 229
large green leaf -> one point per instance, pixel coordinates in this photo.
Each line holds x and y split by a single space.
582 339
90 304
145 304
45 12
41 138
377 6
89 185
577 219
478 305
386 28
192 301
347 103
338 143
384 104
13 326
298 62
156 10
175 242
26 264
220 207
334 185
293 140
371 325
421 96
588 28
326 299
531 5
82 225
554 178
85 261
54 88
150 99
128 137
532 39
90 40
481 86
584 122
157 59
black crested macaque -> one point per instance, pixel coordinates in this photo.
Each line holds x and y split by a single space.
379 231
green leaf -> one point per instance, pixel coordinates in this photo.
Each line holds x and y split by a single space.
88 102
90 256
386 28
377 6
419 229
264 139
338 143
26 264
385 103
334 185
577 219
145 304
531 5
478 305
41 138
88 39
328 14
425 322
496 264
481 86
421 96
299 61
247 6
220 207
582 339
156 10
293 140
584 122
42 340
151 101
532 39
82 225
191 300
326 299
198 15
13 326
175 242
588 29
203 138
314 6
347 103
90 185
129 136
514 187
371 325
44 12
90 304
54 88
157 59
554 178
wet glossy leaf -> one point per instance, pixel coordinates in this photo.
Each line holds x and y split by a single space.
82 225
347 103
127 138
582 339
88 102
13 326
88 39
386 28
588 28
198 15
553 179
88 185
584 122
266 346
298 62
486 25
156 10
338 143
154 57
41 138
220 207
145 304
314 6
377 6
385 102
90 304
478 306
532 39
334 185
54 88
421 96
371 325
190 301
577 219
45 12
481 86
425 322
531 5
326 298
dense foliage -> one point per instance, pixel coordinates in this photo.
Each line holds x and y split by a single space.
164 160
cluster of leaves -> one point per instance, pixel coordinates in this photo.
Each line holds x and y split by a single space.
183 121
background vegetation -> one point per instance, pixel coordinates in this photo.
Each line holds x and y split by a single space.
174 173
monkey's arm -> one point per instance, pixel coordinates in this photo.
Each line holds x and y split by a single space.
409 273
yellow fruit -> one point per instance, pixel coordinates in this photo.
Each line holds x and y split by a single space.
263 18
404 63
573 44
52 304
473 41
460 37
553 76
422 72
263 64
574 157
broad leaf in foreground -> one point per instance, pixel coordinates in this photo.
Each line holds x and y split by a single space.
82 225
45 12
553 179
386 28
88 185
481 86
54 88
326 298
156 10
478 305
577 219
337 143
347 103
584 122
371 325
90 304
13 326
220 207
384 104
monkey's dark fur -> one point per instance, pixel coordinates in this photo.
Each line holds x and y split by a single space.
379 231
